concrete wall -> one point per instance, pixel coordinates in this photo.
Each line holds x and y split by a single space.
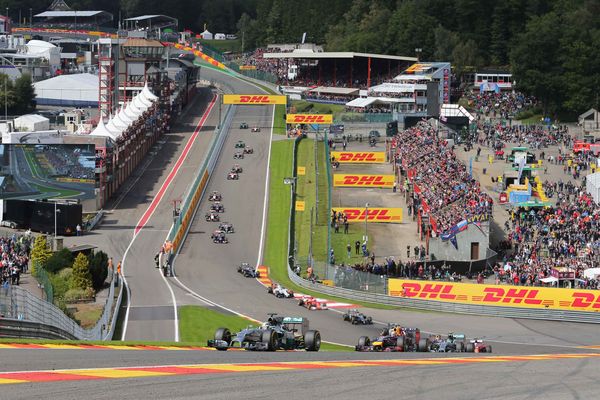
444 250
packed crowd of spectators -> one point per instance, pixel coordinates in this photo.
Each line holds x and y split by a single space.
15 257
499 105
66 163
534 136
442 186
564 236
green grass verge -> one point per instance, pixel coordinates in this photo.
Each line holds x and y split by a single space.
279 120
198 324
275 256
67 193
303 106
223 46
533 120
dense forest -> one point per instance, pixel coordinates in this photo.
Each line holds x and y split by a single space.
551 46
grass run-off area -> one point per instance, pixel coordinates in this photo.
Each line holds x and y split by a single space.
223 46
275 256
198 324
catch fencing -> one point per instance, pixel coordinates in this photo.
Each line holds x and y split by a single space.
19 304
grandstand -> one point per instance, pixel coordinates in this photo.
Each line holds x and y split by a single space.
72 19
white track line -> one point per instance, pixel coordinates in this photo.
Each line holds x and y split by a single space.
266 200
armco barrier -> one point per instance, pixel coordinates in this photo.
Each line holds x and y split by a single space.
14 328
196 190
431 305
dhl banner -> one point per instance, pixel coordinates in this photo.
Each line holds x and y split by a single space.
359 157
247 67
253 99
497 295
76 180
358 214
382 181
315 119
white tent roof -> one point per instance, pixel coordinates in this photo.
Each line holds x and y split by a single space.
549 279
30 119
73 88
367 101
147 94
102 130
455 110
38 46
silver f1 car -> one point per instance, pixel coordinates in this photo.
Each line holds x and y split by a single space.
256 129
237 169
278 333
355 317
248 271
238 155
226 227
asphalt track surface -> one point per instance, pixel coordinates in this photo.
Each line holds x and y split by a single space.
206 275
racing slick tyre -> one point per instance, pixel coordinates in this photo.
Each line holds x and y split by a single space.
301 302
460 347
353 321
364 341
312 341
423 345
488 349
269 337
470 348
225 335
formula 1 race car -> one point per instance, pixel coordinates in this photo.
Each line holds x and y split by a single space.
243 125
454 343
217 207
211 217
478 346
226 227
216 233
220 238
278 333
395 338
240 144
280 292
355 317
215 196
237 169
312 303
238 155
248 150
248 271
233 176
255 129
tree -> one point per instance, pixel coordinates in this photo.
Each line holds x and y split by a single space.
99 269
81 277
39 254
59 260
24 95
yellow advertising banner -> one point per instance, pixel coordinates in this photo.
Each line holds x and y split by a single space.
301 170
300 205
315 119
359 157
247 67
254 99
497 295
358 214
347 180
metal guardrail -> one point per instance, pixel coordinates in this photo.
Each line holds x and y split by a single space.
21 305
457 308
14 328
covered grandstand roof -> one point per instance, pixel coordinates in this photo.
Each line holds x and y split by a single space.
303 53
363 102
455 110
391 87
148 17
334 90
72 14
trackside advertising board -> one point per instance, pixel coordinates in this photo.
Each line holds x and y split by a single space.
498 295
359 157
253 99
358 214
314 119
348 180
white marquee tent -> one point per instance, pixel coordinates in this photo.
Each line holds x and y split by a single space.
77 90
592 183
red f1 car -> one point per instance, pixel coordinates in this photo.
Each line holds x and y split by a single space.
312 303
